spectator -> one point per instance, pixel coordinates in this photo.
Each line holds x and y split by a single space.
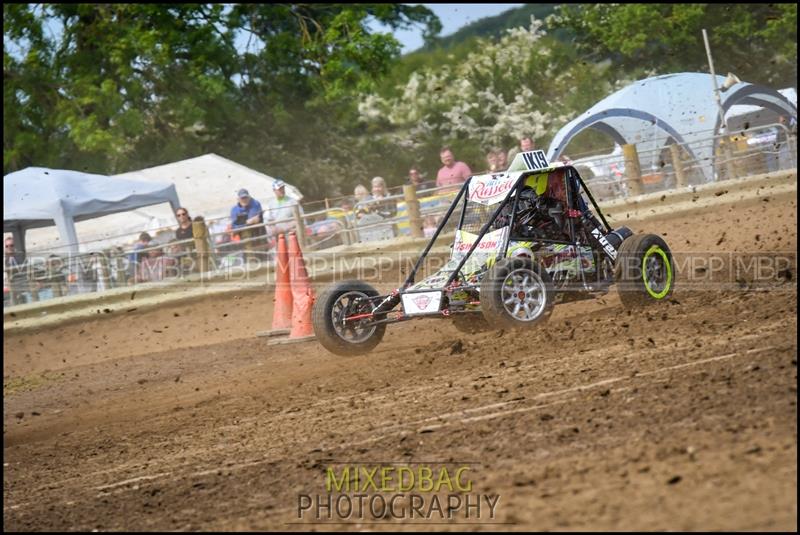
280 208
245 213
155 266
184 230
346 204
453 173
429 226
386 208
361 193
525 145
136 257
496 160
11 257
500 159
416 180
491 162
362 197
13 274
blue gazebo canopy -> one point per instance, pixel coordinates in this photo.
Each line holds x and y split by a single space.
40 197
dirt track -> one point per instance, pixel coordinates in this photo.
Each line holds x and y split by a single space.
682 416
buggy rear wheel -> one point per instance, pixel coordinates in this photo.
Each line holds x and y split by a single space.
344 299
644 271
516 293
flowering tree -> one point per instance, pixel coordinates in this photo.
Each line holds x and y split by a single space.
524 84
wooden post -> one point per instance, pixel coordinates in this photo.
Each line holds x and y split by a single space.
300 227
681 180
327 204
412 206
633 171
724 164
200 234
119 269
734 167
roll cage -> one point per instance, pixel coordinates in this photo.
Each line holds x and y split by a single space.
576 206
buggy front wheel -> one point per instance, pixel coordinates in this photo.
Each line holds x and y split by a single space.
644 271
516 293
337 302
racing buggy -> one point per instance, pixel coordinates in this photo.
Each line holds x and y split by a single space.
525 240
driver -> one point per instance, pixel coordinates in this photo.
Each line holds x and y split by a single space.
538 215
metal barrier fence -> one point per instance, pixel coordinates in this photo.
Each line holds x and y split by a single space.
217 247
632 172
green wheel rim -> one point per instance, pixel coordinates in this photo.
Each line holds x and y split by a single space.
656 250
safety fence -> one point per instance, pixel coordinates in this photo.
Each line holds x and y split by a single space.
633 170
218 246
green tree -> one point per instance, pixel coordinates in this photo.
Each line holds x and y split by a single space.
121 86
300 89
758 42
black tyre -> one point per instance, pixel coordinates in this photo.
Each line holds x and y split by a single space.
516 293
341 300
644 270
471 323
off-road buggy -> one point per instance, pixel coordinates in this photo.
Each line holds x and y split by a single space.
525 240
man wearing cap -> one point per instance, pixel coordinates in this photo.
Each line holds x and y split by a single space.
248 212
280 208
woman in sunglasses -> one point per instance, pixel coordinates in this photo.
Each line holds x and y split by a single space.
184 251
184 230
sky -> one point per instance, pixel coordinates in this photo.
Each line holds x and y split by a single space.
453 17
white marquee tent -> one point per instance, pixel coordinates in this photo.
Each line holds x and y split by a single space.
207 186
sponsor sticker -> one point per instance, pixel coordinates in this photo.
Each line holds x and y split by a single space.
490 244
491 189
422 303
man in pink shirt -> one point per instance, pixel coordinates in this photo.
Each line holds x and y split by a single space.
453 173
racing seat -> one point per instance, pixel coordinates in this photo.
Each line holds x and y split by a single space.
551 201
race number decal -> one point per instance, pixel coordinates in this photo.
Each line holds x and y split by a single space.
535 159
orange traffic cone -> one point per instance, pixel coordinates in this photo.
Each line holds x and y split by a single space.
302 292
282 307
